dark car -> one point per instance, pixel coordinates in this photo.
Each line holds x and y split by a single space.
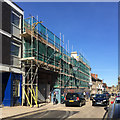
113 111
74 99
92 96
100 99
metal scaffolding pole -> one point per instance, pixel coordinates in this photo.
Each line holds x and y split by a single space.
31 60
46 46
37 66
68 63
54 52
72 64
60 63
63 62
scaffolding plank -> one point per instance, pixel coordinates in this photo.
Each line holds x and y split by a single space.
28 58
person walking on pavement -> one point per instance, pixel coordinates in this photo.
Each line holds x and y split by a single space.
87 95
62 98
54 98
84 94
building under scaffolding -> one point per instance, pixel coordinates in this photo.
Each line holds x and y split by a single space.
47 65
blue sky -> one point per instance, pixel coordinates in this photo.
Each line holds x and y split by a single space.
90 27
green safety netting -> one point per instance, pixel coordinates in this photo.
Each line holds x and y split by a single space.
48 54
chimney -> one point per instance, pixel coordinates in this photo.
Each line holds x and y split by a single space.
93 75
74 54
96 76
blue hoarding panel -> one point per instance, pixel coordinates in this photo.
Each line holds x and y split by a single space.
20 99
7 93
8 98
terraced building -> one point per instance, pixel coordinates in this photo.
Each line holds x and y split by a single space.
48 66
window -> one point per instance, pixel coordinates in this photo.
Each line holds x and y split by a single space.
15 24
15 54
15 50
16 88
15 19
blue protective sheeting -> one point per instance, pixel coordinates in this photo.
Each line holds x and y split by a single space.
7 93
20 99
8 98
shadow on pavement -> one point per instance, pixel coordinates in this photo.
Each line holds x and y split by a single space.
104 117
99 106
51 114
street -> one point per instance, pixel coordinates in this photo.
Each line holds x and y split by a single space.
58 53
62 112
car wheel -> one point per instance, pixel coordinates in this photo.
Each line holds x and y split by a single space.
105 104
93 104
80 105
66 105
84 103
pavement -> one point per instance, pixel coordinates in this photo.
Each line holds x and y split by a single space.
6 112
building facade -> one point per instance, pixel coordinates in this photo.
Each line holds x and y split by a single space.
112 89
119 84
97 84
11 45
48 63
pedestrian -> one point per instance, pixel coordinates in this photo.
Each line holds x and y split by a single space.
54 98
87 94
84 94
62 98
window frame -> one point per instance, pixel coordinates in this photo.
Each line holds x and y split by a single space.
19 55
19 26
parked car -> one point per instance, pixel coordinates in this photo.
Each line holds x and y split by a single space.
100 99
113 111
118 94
92 96
74 99
62 99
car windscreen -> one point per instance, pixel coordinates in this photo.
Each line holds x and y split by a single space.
72 95
100 96
117 101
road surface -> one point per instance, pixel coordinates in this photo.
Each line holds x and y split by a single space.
62 112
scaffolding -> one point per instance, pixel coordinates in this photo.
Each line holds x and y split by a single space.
43 49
